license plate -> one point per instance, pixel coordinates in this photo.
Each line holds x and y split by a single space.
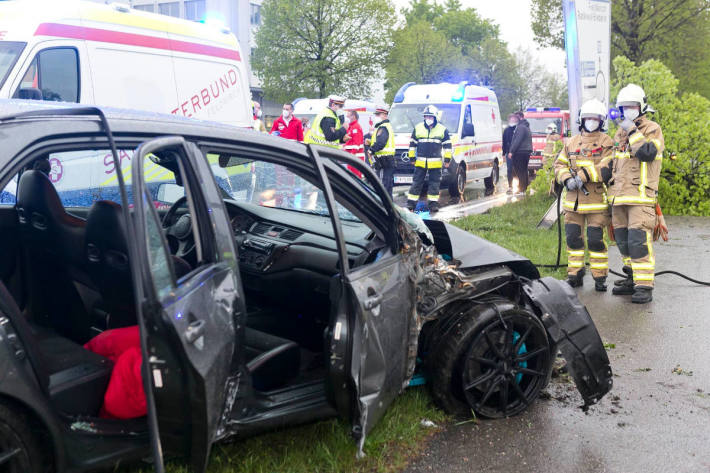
403 179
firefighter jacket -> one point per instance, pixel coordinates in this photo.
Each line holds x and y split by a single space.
550 141
384 139
637 164
585 155
320 132
429 145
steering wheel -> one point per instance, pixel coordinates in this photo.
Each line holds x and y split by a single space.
179 233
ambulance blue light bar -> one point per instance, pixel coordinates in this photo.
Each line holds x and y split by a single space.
399 96
460 92
546 109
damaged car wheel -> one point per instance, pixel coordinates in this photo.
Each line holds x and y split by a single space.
494 361
19 452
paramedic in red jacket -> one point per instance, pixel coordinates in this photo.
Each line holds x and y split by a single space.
287 125
355 145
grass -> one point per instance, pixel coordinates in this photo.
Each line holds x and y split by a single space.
513 226
326 446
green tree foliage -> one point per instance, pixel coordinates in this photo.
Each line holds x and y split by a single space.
317 47
535 85
685 182
676 32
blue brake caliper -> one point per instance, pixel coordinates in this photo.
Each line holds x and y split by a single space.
522 351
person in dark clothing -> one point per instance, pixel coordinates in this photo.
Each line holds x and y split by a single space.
382 149
327 128
520 151
507 138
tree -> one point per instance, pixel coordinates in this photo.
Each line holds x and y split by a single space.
673 31
318 47
536 85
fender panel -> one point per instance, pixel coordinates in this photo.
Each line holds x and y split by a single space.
570 326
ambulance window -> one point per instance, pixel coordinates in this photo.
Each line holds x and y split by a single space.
8 194
53 75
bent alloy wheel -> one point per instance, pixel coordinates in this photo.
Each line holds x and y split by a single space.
19 452
506 365
494 359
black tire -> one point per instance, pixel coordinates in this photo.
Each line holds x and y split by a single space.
19 449
465 356
492 181
457 185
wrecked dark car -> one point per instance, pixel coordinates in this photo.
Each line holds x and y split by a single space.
271 287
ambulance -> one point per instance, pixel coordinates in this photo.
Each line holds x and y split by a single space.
112 55
471 115
539 118
309 108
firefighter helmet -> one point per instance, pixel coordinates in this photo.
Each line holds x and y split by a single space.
593 108
431 111
633 94
551 128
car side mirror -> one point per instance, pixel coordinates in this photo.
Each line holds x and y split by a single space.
30 93
170 192
468 130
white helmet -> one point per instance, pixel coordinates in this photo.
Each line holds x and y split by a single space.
551 128
632 94
593 108
431 111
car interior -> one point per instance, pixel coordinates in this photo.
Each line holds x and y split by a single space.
65 277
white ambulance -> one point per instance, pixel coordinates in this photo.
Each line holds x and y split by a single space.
309 108
111 55
471 115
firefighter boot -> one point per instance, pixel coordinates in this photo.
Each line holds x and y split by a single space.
576 280
600 284
629 281
642 295
411 205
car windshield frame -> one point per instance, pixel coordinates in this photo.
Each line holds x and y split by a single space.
543 122
413 115
10 52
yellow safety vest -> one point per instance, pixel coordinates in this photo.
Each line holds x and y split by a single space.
315 133
389 148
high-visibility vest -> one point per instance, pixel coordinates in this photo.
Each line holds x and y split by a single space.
315 133
429 146
389 148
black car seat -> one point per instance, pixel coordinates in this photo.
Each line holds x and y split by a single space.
107 262
74 378
272 361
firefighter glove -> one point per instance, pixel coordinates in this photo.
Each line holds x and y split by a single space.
627 125
606 173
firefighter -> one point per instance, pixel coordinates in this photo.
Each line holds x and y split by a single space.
579 168
382 148
327 128
548 154
633 189
431 144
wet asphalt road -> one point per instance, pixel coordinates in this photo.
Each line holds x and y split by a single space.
656 418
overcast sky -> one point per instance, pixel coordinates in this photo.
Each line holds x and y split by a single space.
513 18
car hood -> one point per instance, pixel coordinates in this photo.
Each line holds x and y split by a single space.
475 252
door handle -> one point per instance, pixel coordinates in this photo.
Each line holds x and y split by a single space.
194 331
372 302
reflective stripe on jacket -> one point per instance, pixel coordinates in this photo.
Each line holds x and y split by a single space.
585 154
429 145
550 141
389 148
635 181
315 133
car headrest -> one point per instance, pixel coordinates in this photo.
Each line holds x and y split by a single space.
30 93
106 235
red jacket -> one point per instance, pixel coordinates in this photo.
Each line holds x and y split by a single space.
291 131
356 144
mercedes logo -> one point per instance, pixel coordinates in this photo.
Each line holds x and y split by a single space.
405 157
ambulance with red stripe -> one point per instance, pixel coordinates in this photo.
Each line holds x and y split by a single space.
471 115
112 55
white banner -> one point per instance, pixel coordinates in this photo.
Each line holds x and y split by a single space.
587 44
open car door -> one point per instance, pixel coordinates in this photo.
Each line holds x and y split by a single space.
374 330
188 322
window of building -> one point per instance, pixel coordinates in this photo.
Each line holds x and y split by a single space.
255 14
150 7
169 8
195 10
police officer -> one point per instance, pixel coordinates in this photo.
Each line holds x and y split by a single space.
579 167
633 188
382 148
327 128
431 144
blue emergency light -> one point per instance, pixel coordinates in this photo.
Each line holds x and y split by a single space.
614 113
460 92
399 96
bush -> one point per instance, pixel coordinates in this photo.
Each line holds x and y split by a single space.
684 188
543 179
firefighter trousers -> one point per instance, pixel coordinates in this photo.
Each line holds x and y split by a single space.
598 251
420 175
633 231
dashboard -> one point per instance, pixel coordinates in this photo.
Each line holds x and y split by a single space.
271 240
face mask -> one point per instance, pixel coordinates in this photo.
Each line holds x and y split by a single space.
429 121
591 124
512 123
631 113
286 114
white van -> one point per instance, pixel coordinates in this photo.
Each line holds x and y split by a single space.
111 55
471 115
309 108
